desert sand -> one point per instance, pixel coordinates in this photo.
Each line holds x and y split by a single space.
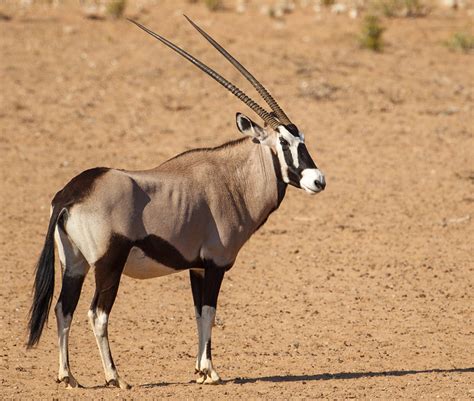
363 291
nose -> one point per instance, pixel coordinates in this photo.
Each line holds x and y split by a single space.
320 183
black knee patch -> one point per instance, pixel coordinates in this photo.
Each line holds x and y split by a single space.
70 293
213 276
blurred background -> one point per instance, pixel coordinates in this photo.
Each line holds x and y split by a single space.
364 291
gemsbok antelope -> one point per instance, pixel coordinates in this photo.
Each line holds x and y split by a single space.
193 212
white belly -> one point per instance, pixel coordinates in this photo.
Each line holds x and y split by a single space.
140 266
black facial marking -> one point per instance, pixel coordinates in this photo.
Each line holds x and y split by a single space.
304 162
281 185
288 156
292 129
78 188
304 157
294 177
292 172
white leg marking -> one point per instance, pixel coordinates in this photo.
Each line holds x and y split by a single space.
74 265
63 340
64 324
99 322
208 374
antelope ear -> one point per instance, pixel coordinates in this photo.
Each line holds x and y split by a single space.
247 127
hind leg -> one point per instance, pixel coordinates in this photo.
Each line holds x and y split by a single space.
74 270
107 277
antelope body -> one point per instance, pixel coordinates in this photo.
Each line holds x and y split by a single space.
194 212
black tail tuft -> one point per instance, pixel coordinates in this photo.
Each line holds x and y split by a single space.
44 284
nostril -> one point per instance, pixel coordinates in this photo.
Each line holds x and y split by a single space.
320 184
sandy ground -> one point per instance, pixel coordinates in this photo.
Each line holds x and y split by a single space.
365 291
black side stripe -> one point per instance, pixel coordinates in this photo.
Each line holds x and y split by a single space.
159 250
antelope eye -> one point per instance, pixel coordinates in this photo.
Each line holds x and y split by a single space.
284 142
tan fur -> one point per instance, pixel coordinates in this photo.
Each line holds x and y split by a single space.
206 203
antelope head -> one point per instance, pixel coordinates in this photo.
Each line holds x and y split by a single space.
279 133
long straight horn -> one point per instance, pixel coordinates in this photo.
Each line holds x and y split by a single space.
219 78
258 86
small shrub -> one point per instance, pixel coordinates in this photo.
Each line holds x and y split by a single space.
388 8
116 8
328 3
461 41
401 8
415 8
371 36
213 5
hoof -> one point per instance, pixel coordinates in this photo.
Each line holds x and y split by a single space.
69 382
119 383
201 378
208 378
125 386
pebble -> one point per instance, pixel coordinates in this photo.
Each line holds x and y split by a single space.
338 8
69 29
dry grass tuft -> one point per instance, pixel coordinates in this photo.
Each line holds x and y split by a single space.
461 41
371 36
401 8
116 8
213 5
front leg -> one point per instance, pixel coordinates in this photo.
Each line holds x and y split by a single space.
205 286
197 283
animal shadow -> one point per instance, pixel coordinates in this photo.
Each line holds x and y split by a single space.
321 376
343 375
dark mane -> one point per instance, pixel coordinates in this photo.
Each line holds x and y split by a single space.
225 145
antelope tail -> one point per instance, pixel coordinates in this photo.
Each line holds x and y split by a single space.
44 283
